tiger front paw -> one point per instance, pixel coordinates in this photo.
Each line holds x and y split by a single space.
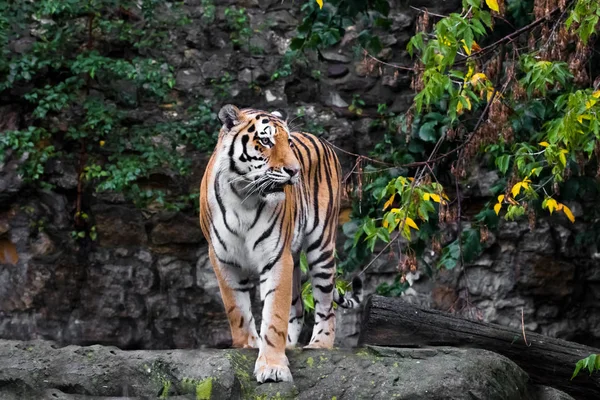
272 371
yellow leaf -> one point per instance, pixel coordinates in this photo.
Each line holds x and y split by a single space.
385 223
568 212
468 102
459 108
559 206
580 118
516 189
435 197
544 144
551 205
596 94
389 202
497 208
320 3
464 46
411 223
102 143
490 93
478 77
500 198
493 5
469 73
589 104
395 210
525 185
426 196
563 159
444 195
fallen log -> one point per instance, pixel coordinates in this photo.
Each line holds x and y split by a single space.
548 361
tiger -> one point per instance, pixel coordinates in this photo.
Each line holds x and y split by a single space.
266 195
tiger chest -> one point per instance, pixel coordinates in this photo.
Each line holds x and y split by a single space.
250 239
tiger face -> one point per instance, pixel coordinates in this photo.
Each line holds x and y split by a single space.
260 152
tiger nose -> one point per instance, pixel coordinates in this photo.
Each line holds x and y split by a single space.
291 171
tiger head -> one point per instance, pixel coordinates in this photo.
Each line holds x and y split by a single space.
259 149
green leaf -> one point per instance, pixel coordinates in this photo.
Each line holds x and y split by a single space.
383 234
303 262
502 163
427 132
591 363
307 296
578 367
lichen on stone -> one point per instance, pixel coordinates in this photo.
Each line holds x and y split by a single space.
202 389
310 361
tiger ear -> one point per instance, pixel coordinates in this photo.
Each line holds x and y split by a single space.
281 114
229 115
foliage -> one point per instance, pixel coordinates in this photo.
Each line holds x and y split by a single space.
591 362
307 124
84 69
308 300
529 114
356 105
324 24
209 11
239 23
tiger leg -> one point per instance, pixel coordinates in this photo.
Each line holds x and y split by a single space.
321 264
276 294
235 287
297 309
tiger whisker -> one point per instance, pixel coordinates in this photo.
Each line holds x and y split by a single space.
293 119
257 186
253 183
265 185
295 127
246 176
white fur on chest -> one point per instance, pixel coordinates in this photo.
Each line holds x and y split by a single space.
245 246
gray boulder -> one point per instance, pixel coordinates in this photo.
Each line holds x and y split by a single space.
42 370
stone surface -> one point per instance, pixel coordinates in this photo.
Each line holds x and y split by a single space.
119 226
11 181
337 70
547 393
38 369
180 229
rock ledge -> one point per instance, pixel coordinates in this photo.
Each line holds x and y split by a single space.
43 370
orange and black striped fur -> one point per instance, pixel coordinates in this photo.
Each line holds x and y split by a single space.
266 195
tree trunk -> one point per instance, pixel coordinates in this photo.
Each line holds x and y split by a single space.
548 361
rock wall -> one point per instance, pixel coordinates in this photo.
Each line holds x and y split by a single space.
146 282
